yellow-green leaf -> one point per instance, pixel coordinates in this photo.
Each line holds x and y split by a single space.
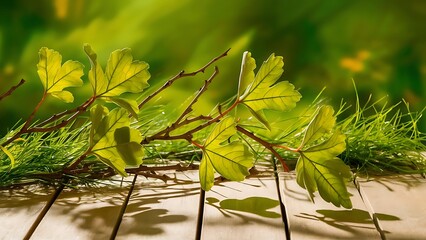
319 169
206 172
322 123
128 104
247 73
112 139
55 77
230 159
122 74
96 74
263 91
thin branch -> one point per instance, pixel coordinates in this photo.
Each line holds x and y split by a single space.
165 133
82 108
181 74
27 123
266 144
12 89
177 167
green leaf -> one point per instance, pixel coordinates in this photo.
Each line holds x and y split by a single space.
260 116
322 123
122 74
128 104
230 159
113 141
262 91
55 77
318 169
247 73
206 174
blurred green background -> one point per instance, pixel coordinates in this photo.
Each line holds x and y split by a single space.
379 44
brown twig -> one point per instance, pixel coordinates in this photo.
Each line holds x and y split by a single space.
27 123
181 74
165 133
12 89
177 167
25 129
266 144
82 108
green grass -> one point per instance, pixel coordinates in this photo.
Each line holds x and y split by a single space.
384 139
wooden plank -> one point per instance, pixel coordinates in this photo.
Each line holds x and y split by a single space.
162 210
84 213
243 210
398 202
322 220
20 208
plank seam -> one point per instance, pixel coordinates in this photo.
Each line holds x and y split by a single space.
123 209
43 212
200 214
280 198
373 215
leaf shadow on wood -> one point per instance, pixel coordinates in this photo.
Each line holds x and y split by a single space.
152 208
255 205
399 180
347 220
97 211
24 198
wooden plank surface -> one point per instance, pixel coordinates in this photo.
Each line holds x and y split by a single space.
322 220
399 203
162 210
243 210
20 208
84 213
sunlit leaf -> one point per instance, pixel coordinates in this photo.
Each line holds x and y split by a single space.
247 73
322 123
318 167
128 104
231 159
263 91
122 74
55 77
206 173
112 139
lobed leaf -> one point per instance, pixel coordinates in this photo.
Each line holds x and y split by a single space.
55 77
262 91
128 104
247 73
326 176
113 141
318 167
122 74
230 159
322 123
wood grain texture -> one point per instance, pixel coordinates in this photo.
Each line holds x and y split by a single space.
243 210
322 220
398 203
20 208
84 213
162 210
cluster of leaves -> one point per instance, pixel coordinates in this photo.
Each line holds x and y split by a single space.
121 138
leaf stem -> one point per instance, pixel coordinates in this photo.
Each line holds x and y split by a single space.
266 144
287 148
